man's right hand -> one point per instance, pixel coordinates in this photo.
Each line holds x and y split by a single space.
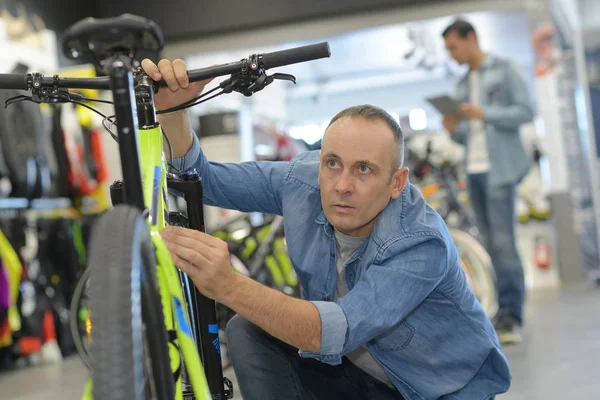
451 122
175 75
176 125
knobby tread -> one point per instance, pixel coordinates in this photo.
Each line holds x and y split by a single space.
119 247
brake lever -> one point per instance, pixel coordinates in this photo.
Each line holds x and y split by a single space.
283 77
265 80
46 96
16 99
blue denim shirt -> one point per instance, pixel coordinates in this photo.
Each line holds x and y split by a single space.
507 104
409 300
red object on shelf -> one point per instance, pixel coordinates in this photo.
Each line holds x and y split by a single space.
542 253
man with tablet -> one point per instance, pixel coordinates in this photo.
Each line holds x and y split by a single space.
493 102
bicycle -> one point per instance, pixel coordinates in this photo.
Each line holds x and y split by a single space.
259 252
155 333
263 251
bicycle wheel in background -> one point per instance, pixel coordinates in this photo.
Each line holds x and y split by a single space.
80 318
129 348
477 264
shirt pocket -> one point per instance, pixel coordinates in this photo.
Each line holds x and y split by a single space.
494 88
397 338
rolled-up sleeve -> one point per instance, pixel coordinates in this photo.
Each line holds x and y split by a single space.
384 296
187 161
334 327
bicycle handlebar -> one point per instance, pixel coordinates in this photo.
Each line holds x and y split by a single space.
268 60
14 81
296 55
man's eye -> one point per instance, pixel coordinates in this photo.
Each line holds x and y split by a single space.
332 164
364 169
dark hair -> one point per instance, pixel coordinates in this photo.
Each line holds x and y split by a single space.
375 113
461 27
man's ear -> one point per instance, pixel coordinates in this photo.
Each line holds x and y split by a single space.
399 180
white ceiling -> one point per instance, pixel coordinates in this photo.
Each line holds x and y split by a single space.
376 56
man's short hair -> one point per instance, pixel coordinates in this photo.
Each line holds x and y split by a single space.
461 27
371 112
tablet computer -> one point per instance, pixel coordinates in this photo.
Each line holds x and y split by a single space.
445 104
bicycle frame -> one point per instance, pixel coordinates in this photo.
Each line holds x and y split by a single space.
145 186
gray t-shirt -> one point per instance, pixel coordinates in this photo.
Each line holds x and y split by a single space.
346 246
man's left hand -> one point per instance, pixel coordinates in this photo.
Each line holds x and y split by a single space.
204 258
471 111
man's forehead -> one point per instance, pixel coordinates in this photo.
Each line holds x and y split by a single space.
357 130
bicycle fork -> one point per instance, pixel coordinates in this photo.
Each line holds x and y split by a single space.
202 310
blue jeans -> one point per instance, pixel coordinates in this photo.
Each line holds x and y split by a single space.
494 208
267 368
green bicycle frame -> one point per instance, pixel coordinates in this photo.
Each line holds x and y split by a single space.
147 149
154 166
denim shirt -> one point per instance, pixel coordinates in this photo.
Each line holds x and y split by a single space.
409 300
506 104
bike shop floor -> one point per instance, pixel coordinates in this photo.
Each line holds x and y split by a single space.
558 359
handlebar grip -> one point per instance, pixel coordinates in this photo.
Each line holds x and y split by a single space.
296 55
13 81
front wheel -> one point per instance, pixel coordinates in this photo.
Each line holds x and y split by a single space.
129 346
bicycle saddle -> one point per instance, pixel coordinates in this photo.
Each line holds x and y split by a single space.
95 39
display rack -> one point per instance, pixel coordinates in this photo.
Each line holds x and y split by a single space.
578 137
43 59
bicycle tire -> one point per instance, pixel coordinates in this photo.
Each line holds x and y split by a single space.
480 269
123 281
74 318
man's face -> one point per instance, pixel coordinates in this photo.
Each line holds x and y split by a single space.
357 173
461 49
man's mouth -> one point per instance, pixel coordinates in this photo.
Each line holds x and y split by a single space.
340 207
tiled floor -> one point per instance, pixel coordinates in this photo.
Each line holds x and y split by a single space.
560 358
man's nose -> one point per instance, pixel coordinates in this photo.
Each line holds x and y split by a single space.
345 183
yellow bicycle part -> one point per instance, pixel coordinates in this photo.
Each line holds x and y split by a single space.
15 269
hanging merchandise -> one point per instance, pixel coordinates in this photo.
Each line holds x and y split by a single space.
23 27
21 131
80 162
59 265
12 270
81 159
5 185
49 248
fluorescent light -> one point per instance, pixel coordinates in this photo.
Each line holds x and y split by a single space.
395 116
417 119
309 133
